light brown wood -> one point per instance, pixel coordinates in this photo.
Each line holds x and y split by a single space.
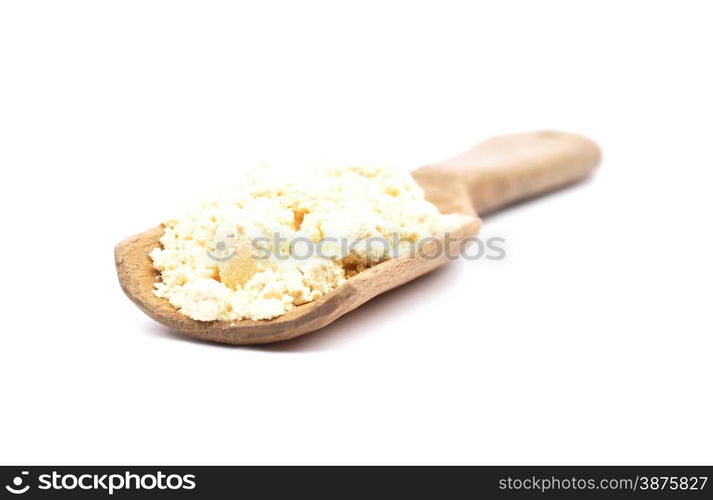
495 173
507 169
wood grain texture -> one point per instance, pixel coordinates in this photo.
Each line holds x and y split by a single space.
508 169
495 173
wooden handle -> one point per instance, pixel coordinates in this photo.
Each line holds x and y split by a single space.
510 168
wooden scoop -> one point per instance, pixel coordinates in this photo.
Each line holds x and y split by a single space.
495 173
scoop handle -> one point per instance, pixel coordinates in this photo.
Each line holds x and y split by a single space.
510 168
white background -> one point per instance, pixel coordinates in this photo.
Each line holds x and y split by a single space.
589 344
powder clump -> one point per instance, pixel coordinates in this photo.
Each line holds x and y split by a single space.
275 242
